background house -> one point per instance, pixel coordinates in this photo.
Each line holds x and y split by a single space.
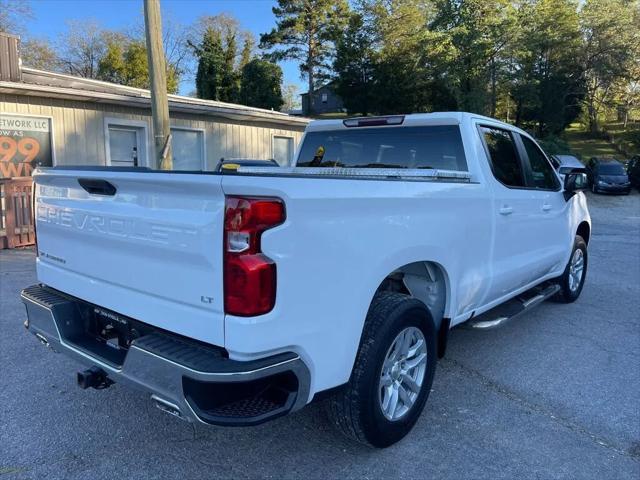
324 100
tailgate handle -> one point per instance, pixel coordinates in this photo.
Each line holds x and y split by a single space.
97 187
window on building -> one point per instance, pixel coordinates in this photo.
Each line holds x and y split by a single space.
283 150
503 155
542 172
325 98
188 149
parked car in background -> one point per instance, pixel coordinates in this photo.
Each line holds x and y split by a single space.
633 171
609 176
565 164
593 160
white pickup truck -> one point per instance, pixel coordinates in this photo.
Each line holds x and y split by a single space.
236 297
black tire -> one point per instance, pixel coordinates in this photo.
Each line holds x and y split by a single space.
355 410
566 293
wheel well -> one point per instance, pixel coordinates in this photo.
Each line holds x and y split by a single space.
425 281
584 231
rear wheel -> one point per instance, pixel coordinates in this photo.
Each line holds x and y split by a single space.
392 374
572 280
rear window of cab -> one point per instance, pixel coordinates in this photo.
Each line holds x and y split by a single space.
424 147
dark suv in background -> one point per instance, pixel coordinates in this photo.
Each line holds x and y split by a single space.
608 176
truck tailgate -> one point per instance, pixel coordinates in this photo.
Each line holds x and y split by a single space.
150 250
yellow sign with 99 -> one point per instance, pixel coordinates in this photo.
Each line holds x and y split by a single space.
25 143
17 155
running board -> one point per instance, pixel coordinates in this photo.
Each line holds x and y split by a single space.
498 316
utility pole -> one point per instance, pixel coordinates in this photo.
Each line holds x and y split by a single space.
158 76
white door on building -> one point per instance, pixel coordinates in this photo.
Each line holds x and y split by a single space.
283 150
124 146
188 149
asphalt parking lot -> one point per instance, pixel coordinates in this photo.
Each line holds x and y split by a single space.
554 394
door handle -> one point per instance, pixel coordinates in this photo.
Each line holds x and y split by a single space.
546 207
506 210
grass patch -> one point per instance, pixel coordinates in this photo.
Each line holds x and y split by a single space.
585 146
627 140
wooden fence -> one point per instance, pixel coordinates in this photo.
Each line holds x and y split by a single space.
16 216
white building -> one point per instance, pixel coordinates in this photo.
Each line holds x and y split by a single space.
78 121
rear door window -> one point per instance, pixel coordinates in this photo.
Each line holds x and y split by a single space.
428 147
503 155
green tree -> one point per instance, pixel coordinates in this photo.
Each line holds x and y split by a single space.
125 62
210 56
546 69
400 33
612 47
136 65
111 67
177 50
479 31
214 40
229 79
409 74
223 23
247 51
305 31
627 92
354 66
260 85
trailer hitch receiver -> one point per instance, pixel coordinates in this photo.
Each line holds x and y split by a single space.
93 377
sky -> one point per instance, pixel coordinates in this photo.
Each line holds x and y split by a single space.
50 17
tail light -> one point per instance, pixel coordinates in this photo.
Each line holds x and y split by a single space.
249 275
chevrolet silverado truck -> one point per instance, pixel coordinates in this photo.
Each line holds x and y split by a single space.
238 296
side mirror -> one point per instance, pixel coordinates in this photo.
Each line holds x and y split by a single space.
573 183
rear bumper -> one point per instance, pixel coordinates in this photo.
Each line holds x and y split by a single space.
191 380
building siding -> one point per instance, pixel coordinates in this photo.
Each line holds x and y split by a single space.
79 130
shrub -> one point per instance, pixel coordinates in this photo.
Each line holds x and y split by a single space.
554 145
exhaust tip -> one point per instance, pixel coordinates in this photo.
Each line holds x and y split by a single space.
166 406
42 339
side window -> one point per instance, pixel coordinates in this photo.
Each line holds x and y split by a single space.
505 163
541 170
